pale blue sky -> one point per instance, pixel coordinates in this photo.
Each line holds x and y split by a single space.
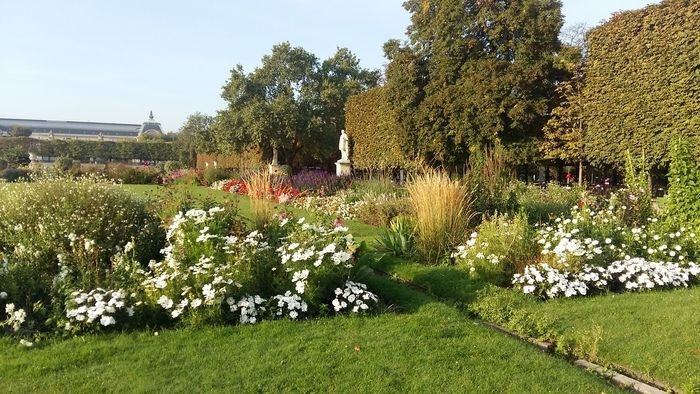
114 61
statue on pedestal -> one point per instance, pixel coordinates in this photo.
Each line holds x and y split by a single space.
344 146
343 167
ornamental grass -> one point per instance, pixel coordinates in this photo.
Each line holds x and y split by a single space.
259 185
443 208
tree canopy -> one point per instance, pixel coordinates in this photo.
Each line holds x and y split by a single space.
291 104
474 72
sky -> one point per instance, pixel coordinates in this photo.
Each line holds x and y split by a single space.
116 61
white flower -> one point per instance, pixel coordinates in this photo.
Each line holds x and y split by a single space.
165 302
3 295
26 343
107 321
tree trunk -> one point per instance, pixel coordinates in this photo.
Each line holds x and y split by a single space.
580 172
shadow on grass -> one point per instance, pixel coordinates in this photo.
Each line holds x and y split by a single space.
444 282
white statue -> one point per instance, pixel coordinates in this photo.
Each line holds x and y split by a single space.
344 146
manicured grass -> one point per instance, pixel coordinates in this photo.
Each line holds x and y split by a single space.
429 347
653 333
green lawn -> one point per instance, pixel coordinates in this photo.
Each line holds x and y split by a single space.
653 333
428 347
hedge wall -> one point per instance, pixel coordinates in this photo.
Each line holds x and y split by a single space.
106 150
643 82
374 132
245 160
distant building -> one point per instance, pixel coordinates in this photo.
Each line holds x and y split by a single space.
90 131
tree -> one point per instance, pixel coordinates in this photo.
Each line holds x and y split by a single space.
291 106
565 130
482 71
195 136
20 131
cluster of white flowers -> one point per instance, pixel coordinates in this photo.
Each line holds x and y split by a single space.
249 308
354 297
15 316
631 274
308 250
336 205
289 304
98 306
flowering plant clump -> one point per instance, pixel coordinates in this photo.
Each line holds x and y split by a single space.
354 297
632 274
336 205
209 274
280 192
15 317
501 246
98 308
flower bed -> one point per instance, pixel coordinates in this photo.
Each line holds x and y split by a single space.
211 273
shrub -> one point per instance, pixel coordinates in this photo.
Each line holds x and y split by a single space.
501 246
381 186
489 176
3 164
14 175
380 210
56 232
544 204
63 164
637 184
443 209
319 182
170 166
683 206
214 174
399 238
142 175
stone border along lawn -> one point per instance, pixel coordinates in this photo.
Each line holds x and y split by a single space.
651 335
418 344
422 345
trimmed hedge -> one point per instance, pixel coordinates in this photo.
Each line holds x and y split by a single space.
374 132
86 150
643 82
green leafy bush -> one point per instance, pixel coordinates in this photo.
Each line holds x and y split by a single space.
380 210
500 247
143 175
60 231
214 174
544 204
399 238
14 175
63 164
683 206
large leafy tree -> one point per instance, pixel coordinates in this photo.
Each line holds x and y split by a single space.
195 136
291 106
481 70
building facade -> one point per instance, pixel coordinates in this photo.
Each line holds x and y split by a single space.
89 131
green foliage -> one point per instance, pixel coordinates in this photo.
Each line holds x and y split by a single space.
14 175
20 131
500 247
375 132
15 154
63 164
508 309
3 164
56 232
290 105
489 176
640 67
453 85
381 209
544 204
565 130
105 150
132 175
213 174
683 205
637 183
195 136
399 239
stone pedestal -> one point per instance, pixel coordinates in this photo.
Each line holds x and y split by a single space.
343 168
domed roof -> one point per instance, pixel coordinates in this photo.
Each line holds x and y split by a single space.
150 127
